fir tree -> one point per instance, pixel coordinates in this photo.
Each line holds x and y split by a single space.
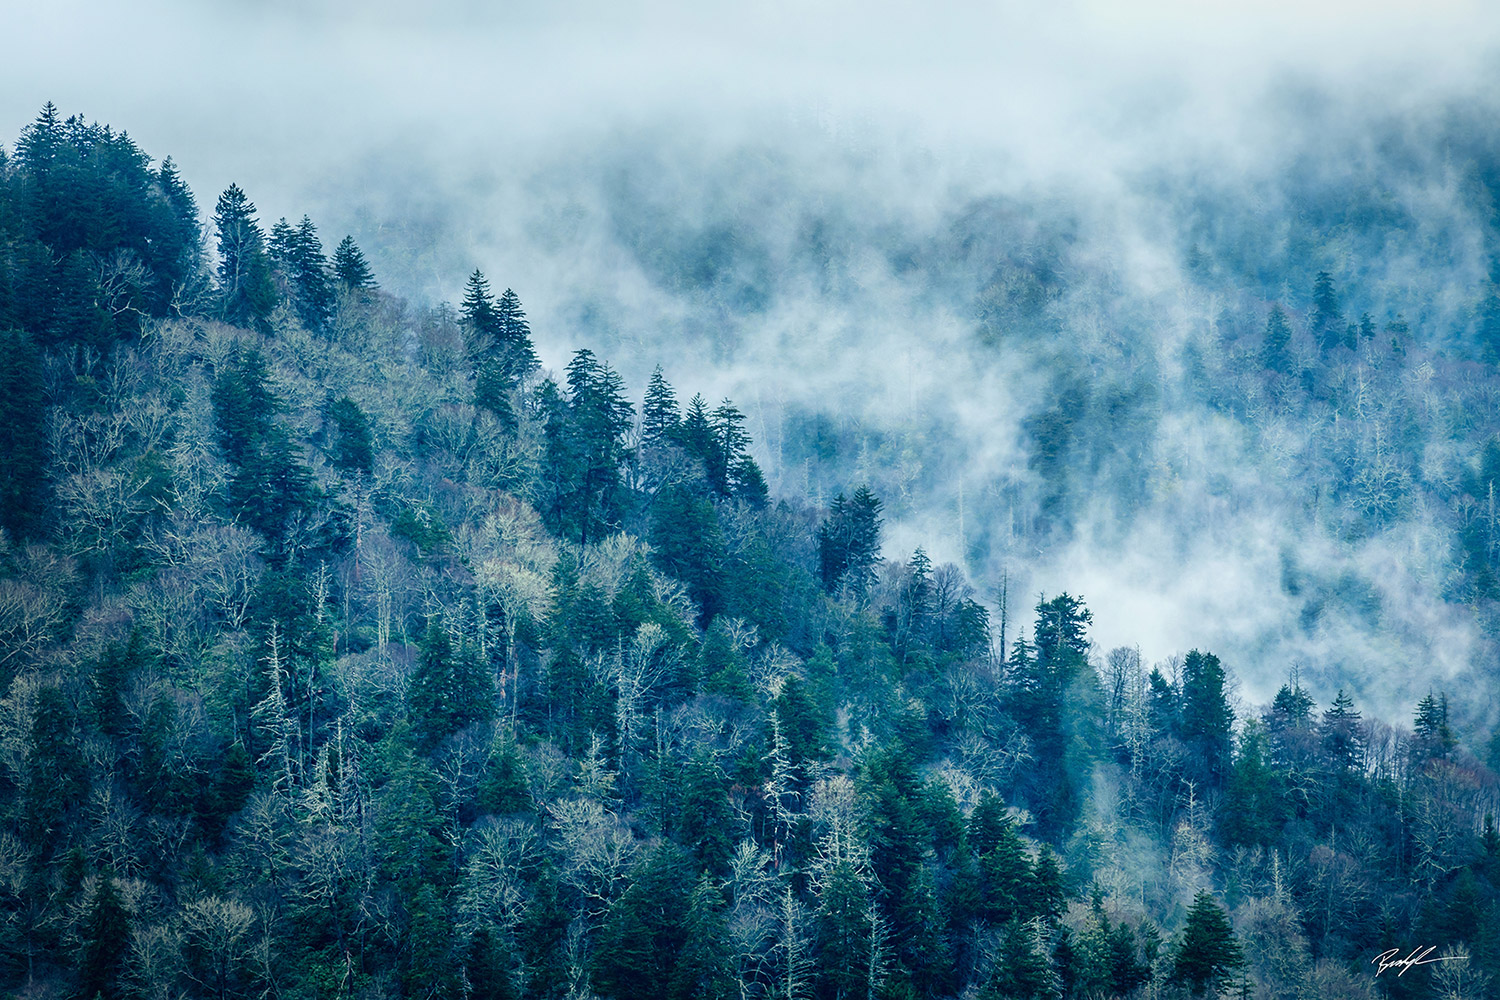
849 543
659 415
1206 720
1342 738
1274 355
350 267
1327 320
23 440
246 294
1207 953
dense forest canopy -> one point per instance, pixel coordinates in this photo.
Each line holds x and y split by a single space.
349 649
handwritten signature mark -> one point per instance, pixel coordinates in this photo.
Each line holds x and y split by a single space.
1388 960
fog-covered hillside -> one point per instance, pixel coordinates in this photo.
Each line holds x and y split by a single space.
354 645
761 503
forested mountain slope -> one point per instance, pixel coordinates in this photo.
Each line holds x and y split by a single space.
345 651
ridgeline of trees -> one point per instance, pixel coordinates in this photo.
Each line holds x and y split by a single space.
346 652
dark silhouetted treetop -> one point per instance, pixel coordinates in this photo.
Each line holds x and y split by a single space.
303 271
1341 732
1206 720
585 449
350 267
500 337
849 542
353 447
1274 354
1062 629
659 414
1207 954
478 307
1431 736
246 293
23 436
1327 319
92 240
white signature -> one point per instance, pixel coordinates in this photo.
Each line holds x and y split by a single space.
1388 960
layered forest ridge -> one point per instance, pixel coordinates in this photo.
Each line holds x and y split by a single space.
347 651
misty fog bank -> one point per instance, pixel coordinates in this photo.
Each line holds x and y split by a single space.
994 263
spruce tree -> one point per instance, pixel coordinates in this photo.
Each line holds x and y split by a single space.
246 294
450 689
478 308
350 267
23 436
513 335
1206 719
1341 734
179 262
310 276
659 416
1274 355
1207 953
1327 320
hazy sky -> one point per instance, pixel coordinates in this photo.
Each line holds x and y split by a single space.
459 134
283 96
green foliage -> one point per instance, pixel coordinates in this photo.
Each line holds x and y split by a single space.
246 292
659 416
350 268
303 271
1207 954
244 761
105 941
645 932
23 438
849 543
1274 354
1021 971
451 689
353 446
1205 719
688 545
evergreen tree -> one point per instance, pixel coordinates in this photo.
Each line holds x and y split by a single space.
1021 970
23 438
478 308
586 449
1007 886
246 294
1274 355
842 938
730 440
1207 953
1432 737
1343 740
178 262
659 416
1327 319
849 543
350 267
309 271
106 941
1206 719
704 822
353 446
1253 808
704 968
514 336
450 689
645 931
499 345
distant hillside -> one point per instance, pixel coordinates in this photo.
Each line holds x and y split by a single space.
347 651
